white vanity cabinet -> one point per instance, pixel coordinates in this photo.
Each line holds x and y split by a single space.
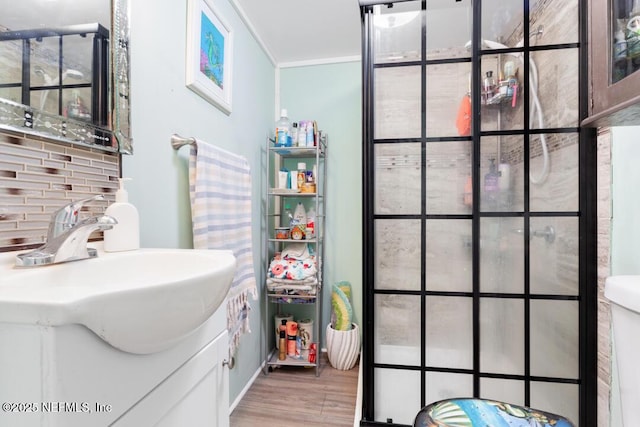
67 376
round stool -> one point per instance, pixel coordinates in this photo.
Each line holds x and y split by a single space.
466 412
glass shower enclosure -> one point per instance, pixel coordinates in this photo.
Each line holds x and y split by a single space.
478 213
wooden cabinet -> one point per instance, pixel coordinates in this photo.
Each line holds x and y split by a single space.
614 63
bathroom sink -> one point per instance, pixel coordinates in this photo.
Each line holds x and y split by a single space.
141 301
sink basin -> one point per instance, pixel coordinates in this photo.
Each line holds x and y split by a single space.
141 301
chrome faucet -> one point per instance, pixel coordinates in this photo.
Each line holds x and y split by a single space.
67 217
67 236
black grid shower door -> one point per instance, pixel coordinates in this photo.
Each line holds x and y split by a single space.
478 200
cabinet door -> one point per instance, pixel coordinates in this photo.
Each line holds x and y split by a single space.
614 62
197 394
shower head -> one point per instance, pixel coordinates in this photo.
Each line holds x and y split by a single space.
74 74
490 44
38 70
51 81
487 44
57 81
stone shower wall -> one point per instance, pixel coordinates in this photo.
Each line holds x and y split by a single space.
38 177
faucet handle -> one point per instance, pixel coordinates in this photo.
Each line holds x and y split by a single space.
68 216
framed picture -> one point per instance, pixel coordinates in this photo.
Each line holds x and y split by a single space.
209 54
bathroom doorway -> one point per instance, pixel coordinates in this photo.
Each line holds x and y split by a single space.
479 233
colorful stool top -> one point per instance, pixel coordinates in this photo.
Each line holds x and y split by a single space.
485 413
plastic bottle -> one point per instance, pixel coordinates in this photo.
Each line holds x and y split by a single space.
287 216
491 184
299 223
467 196
489 85
311 223
283 130
124 236
294 134
310 134
292 334
509 69
282 345
302 134
302 174
300 214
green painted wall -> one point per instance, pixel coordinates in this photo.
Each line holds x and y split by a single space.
331 95
163 105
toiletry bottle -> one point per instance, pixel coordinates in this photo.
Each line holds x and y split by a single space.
299 223
287 216
125 236
491 178
310 134
292 333
302 134
300 214
294 134
282 327
282 345
311 223
467 195
302 174
489 85
283 130
509 69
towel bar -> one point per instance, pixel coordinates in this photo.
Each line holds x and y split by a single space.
178 141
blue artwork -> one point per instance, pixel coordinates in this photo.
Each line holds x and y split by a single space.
483 413
211 51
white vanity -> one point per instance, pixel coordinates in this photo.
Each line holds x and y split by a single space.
101 350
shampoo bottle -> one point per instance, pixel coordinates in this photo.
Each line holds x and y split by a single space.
311 223
299 223
125 236
467 195
282 347
491 178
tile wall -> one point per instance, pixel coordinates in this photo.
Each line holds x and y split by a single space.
38 177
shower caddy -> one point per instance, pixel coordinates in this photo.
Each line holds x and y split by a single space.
279 295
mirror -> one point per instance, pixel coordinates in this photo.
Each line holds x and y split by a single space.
64 71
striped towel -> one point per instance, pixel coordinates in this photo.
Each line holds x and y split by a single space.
220 189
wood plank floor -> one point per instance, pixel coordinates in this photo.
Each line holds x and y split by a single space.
293 397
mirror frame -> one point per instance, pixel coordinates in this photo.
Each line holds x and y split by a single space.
116 136
120 76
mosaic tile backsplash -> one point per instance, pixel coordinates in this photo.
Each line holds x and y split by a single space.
38 177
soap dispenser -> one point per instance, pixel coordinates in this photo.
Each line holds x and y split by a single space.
125 236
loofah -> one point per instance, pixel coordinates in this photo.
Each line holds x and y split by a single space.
342 311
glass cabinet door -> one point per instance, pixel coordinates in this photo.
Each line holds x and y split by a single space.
614 61
624 39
